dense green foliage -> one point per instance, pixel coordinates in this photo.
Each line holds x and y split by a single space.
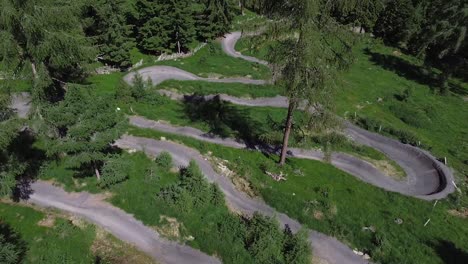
82 128
11 246
393 24
32 35
168 25
106 23
435 30
17 158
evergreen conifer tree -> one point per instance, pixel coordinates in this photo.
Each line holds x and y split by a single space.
82 128
165 25
217 19
43 40
394 22
107 25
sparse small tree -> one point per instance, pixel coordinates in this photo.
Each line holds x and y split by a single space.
306 65
114 170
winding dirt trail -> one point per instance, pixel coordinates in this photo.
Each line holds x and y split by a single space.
427 178
324 247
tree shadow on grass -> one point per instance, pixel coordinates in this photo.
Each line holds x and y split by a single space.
449 253
410 71
224 119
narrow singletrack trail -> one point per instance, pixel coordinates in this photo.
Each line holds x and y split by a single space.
229 47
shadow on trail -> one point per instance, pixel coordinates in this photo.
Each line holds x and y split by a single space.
449 252
28 160
224 119
410 71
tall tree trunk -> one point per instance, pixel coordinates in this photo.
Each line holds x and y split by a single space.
178 42
34 71
241 5
98 174
444 81
287 131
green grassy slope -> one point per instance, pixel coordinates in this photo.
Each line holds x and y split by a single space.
63 242
331 201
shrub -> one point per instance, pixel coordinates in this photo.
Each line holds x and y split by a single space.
138 87
115 170
124 92
404 136
409 114
164 160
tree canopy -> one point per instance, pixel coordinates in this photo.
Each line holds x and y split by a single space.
106 23
82 129
32 33
306 64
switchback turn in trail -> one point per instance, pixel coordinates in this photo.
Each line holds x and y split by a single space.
427 178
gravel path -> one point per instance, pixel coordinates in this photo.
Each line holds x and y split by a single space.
119 223
427 178
229 44
325 247
21 103
159 74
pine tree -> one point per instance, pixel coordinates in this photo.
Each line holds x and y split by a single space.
306 66
165 25
359 13
107 25
44 39
216 19
10 165
82 128
442 38
12 248
394 23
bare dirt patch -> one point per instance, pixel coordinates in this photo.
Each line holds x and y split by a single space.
318 215
463 212
386 167
171 228
47 221
241 184
111 250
